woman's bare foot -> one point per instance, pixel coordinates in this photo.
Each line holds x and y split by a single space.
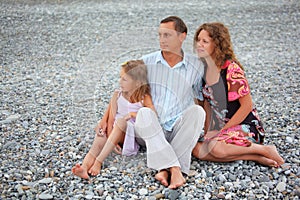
177 178
163 177
267 162
80 171
95 169
273 154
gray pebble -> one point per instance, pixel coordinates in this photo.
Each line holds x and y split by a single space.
45 196
281 186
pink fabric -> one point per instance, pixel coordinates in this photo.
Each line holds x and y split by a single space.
237 83
235 135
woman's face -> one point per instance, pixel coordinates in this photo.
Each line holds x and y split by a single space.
127 84
205 46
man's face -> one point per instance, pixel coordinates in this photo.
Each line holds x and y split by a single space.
169 39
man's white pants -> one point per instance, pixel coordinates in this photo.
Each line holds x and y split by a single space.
167 149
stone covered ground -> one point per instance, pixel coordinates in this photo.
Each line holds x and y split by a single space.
59 64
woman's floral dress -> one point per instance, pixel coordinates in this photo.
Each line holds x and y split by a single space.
224 101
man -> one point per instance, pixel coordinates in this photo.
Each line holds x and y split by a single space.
175 80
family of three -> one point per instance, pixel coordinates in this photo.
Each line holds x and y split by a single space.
179 105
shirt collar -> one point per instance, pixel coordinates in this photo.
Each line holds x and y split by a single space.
161 59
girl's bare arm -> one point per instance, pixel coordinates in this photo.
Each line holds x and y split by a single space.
148 102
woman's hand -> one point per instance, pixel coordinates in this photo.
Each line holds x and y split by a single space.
211 134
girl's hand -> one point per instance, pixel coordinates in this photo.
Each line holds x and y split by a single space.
118 149
101 127
129 116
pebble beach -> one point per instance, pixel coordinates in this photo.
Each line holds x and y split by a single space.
59 64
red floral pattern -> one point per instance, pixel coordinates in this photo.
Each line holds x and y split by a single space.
237 83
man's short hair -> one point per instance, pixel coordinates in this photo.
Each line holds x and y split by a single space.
179 24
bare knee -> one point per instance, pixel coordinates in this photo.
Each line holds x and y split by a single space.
217 150
200 151
143 116
121 123
196 150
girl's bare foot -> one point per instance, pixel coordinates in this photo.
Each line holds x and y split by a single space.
95 169
80 171
177 178
163 177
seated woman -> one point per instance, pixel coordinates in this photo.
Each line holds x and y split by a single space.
233 128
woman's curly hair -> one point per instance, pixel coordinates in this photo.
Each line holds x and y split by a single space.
221 39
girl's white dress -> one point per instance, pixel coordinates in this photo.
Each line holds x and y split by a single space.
130 146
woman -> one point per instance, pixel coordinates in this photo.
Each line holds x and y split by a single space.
233 129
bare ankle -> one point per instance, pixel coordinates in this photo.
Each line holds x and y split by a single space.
175 169
98 163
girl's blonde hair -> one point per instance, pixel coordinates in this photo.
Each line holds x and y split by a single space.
221 39
137 70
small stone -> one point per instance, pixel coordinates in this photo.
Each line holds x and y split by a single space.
159 196
45 196
264 178
232 177
51 173
207 195
228 196
143 191
113 168
287 172
289 140
222 178
20 190
297 192
89 196
221 196
10 145
192 173
281 186
45 152
121 189
26 187
45 180
173 194
10 119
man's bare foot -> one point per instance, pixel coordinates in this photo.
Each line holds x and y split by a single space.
177 178
80 171
95 169
273 154
163 177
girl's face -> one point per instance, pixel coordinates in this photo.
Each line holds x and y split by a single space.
205 46
127 84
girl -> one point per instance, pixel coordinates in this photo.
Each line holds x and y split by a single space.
235 130
117 124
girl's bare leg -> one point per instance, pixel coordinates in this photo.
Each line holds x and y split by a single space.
114 138
89 159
